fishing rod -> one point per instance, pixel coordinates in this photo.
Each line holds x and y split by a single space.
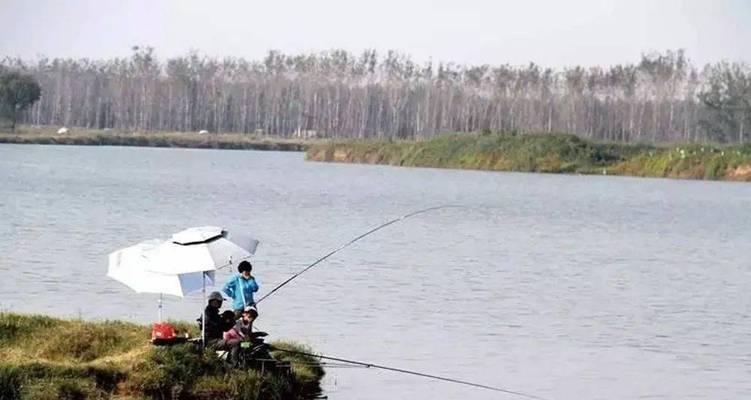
377 366
342 247
406 371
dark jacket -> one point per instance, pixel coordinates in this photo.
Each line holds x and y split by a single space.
215 325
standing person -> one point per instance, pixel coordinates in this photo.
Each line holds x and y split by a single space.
216 325
241 288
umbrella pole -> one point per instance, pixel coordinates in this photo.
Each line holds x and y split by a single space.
203 318
161 296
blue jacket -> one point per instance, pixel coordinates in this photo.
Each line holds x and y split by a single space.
241 291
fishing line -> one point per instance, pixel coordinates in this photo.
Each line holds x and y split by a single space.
405 371
313 363
342 247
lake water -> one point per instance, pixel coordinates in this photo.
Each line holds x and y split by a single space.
565 287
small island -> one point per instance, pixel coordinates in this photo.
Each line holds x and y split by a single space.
49 358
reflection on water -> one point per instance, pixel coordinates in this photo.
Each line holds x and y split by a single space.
562 286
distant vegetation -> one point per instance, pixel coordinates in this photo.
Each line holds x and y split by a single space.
661 98
17 92
546 153
46 358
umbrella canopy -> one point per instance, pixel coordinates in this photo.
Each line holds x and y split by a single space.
200 249
131 267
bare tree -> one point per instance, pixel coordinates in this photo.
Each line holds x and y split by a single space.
338 94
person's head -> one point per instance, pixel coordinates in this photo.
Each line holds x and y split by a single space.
228 316
215 299
244 269
250 313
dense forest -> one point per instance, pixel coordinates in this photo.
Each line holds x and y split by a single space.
662 98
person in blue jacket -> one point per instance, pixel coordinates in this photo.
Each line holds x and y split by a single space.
240 288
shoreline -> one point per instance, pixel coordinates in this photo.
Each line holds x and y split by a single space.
533 153
545 153
224 141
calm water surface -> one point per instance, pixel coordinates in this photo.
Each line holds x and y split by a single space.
565 287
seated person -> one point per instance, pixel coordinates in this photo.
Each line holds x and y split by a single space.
257 353
216 325
243 329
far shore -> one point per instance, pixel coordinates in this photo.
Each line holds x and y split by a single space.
542 153
546 153
195 140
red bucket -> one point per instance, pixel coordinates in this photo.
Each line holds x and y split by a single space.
163 332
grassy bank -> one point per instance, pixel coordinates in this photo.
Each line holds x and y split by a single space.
83 137
546 153
46 358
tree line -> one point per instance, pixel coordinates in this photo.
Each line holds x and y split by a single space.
661 98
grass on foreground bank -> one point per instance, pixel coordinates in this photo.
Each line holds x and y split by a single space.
93 137
47 358
546 153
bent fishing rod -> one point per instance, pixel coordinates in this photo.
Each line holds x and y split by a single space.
410 372
342 247
377 366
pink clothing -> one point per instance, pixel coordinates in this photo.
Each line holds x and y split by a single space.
232 334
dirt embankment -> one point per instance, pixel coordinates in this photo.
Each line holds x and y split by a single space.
739 173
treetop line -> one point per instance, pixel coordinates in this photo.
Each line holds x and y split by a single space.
662 98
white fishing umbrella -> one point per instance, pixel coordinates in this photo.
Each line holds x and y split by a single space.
131 267
201 249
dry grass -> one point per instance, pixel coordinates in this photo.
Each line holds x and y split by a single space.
46 358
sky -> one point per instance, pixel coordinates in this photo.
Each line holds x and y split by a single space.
551 33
